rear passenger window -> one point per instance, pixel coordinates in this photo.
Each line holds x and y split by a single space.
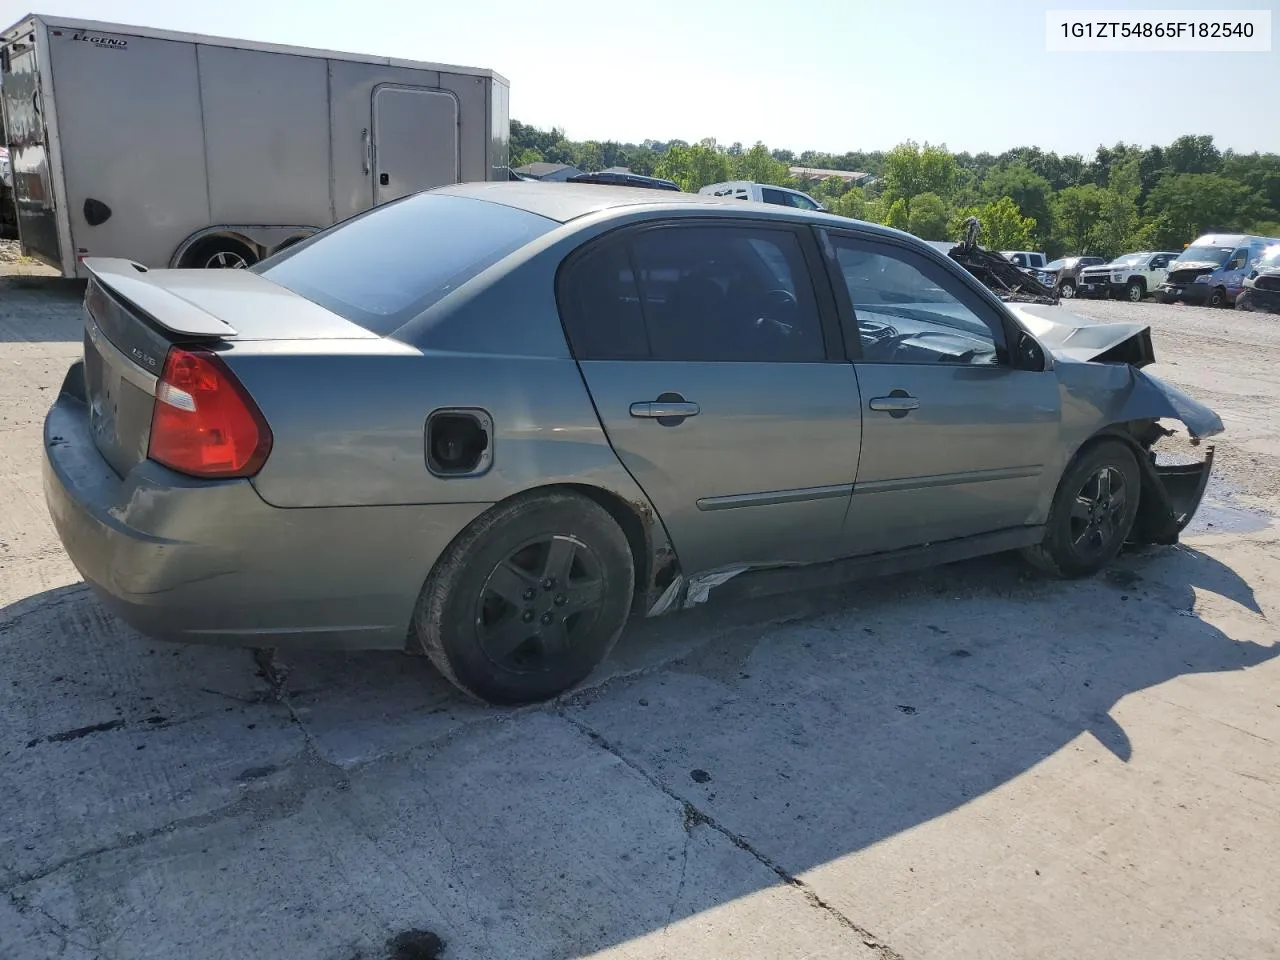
714 293
600 306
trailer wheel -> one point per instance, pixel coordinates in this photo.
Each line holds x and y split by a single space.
219 253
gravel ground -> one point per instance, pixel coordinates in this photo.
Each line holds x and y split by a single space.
972 761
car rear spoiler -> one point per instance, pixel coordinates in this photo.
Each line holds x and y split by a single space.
128 281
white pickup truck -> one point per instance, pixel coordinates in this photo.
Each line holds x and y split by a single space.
1131 276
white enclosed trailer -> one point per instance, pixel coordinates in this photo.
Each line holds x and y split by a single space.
174 149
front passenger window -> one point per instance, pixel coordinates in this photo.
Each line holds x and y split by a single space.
905 312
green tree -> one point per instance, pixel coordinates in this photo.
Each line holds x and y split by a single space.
1260 172
927 217
1028 190
851 203
693 167
1089 219
910 170
1185 205
641 160
1076 212
1003 225
526 156
758 166
1193 154
897 215
588 156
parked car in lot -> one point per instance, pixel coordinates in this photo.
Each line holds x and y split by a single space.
1131 276
1026 259
489 421
1062 274
1261 290
1212 270
762 193
618 179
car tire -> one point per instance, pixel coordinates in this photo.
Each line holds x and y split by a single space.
1243 302
1067 290
1087 526
1218 297
219 253
491 616
1135 291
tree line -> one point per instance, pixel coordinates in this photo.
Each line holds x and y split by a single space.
1126 197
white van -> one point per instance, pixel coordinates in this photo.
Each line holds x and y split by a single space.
762 193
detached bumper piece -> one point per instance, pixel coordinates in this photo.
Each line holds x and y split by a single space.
1171 495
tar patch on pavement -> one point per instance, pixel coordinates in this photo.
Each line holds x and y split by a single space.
700 776
415 945
1122 578
256 773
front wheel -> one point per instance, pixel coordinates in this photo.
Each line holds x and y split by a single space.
1244 302
1067 291
1218 297
1092 512
529 599
1135 291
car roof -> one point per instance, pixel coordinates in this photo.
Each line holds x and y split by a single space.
563 202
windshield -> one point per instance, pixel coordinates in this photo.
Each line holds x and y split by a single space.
1129 260
383 268
1218 255
1055 265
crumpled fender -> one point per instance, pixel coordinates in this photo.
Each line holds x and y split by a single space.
1151 397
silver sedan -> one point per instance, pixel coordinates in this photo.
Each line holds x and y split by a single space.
490 422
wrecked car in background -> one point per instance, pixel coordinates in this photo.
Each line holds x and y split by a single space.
490 422
996 271
1261 289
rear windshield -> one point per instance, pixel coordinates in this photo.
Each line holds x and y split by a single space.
383 268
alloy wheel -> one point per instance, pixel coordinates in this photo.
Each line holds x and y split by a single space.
1097 512
226 260
538 601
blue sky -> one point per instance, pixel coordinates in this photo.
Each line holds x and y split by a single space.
835 76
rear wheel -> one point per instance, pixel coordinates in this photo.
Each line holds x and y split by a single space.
1092 512
529 599
1135 291
219 253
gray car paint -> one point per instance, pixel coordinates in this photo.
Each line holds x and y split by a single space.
332 540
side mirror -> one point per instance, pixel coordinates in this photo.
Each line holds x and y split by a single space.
1029 354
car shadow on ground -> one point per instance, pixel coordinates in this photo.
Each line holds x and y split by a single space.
717 752
40 309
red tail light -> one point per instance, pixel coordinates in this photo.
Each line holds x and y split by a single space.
204 423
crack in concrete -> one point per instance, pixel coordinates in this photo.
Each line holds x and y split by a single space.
59 929
692 815
691 819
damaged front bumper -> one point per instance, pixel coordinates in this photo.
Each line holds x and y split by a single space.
1171 495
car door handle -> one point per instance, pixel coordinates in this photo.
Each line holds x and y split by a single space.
661 409
895 404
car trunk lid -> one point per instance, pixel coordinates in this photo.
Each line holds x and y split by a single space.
134 315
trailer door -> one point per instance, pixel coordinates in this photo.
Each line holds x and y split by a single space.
29 152
415 140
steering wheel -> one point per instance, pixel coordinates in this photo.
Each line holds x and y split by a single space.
776 304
